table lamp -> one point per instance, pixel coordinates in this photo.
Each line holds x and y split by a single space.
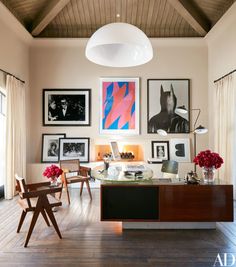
170 168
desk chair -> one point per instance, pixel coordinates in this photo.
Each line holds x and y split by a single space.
37 200
74 173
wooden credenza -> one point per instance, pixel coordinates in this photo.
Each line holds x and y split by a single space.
166 203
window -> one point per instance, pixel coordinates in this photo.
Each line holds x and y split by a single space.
2 139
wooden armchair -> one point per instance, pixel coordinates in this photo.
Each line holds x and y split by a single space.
74 173
37 199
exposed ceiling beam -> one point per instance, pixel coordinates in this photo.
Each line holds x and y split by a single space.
192 15
47 15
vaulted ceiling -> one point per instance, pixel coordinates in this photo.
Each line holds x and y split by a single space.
81 18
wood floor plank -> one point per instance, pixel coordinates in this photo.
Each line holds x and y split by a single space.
89 242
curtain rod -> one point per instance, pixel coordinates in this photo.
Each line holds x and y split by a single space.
12 75
225 76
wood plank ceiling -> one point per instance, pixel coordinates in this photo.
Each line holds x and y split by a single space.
81 18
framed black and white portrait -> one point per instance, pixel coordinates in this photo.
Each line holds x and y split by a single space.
74 148
66 107
164 96
160 151
50 147
180 150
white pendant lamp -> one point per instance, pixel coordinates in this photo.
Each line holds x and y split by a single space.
119 45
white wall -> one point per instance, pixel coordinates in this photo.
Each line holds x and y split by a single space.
14 51
221 57
62 64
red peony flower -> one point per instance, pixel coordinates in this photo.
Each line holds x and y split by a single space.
52 171
208 159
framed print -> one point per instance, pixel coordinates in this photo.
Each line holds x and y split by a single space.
74 148
160 151
50 147
164 96
180 150
119 106
66 107
115 150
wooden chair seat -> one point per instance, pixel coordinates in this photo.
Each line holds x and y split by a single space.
74 173
37 201
76 179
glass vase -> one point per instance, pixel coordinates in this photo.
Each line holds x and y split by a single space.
208 175
54 181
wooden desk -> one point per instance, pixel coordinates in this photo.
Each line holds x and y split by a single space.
166 202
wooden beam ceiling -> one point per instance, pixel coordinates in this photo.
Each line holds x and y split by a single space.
192 15
47 15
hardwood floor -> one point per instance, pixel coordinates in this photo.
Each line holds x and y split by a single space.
89 242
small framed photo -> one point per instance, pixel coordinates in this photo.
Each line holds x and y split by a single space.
66 107
119 106
74 148
50 147
164 96
115 150
180 150
160 151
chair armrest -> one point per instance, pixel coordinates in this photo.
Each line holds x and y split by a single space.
38 193
84 171
34 186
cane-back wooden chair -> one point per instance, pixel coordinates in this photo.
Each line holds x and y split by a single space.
73 172
37 198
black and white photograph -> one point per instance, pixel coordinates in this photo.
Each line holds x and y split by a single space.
180 150
66 107
74 148
160 151
164 96
50 147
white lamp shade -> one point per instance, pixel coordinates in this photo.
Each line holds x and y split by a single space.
201 130
119 45
162 132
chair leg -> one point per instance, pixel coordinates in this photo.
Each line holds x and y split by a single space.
61 191
88 187
51 217
81 188
68 195
22 217
45 217
33 221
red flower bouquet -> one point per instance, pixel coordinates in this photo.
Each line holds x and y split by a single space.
208 159
52 172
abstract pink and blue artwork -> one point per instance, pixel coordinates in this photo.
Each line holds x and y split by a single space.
119 106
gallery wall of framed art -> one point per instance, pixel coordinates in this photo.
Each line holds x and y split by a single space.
64 68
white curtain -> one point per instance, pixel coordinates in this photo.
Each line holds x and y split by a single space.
225 118
15 134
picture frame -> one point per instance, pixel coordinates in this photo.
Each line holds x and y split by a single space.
66 107
50 147
74 148
180 150
160 151
164 96
115 150
119 106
